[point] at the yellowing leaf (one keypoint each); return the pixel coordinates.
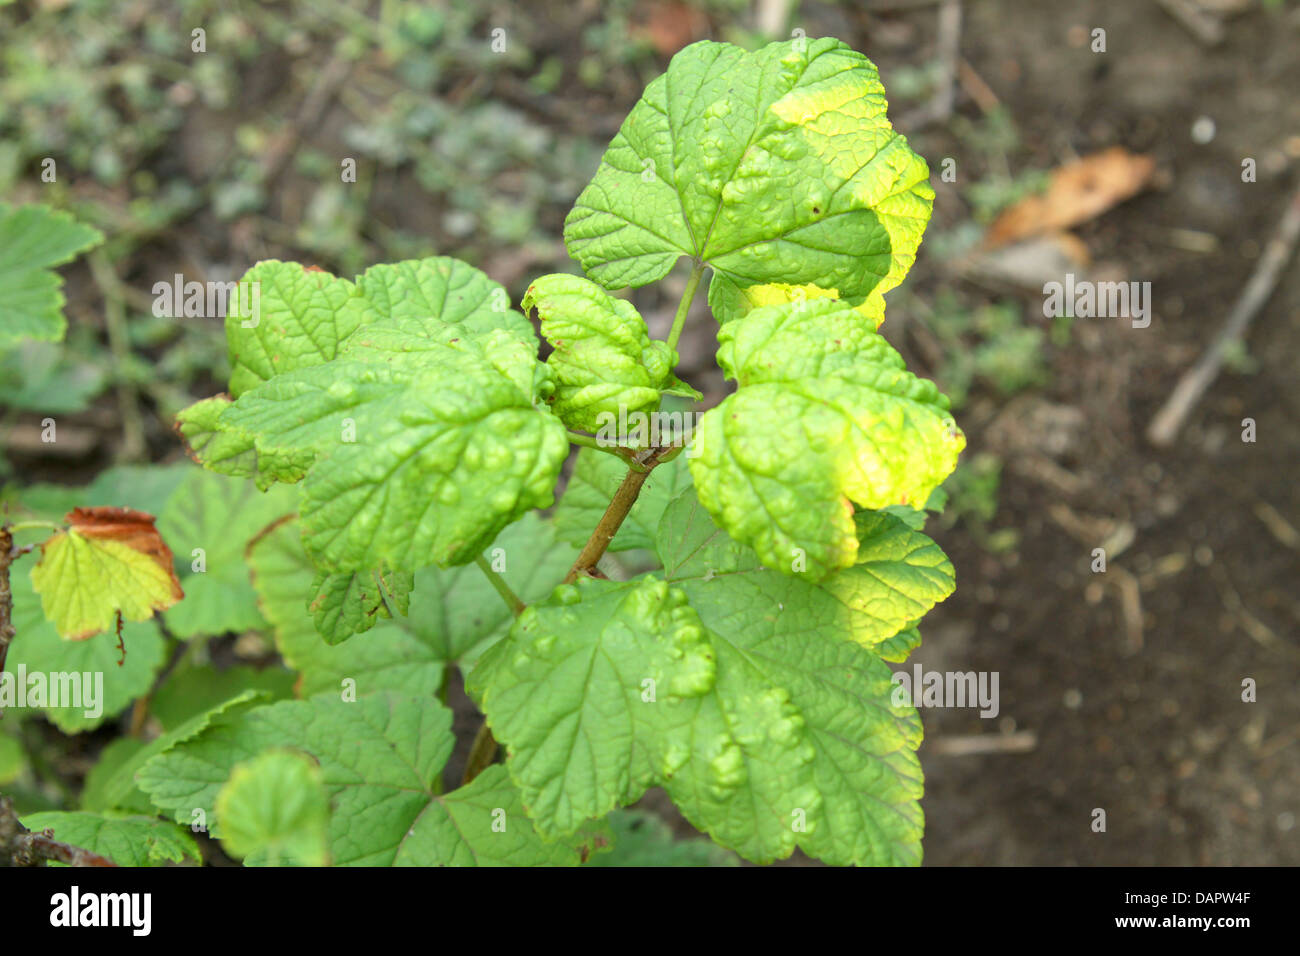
(108, 560)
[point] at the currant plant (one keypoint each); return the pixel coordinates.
(389, 447)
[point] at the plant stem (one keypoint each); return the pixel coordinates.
(512, 600)
(621, 452)
(29, 525)
(6, 596)
(481, 754)
(614, 516)
(683, 307)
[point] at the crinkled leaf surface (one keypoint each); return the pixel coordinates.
(378, 758)
(826, 416)
(401, 453)
(273, 810)
(584, 693)
(765, 736)
(353, 601)
(605, 363)
(596, 477)
(33, 240)
(773, 167)
(232, 451)
(218, 516)
(454, 613)
(899, 575)
(303, 315)
(126, 840)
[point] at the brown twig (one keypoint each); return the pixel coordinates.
(1169, 420)
(20, 846)
(6, 596)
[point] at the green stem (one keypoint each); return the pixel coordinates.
(683, 307)
(512, 600)
(29, 525)
(621, 452)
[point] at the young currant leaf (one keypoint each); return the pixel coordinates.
(38, 649)
(211, 519)
(454, 613)
(302, 317)
(596, 477)
(126, 840)
(584, 691)
(379, 757)
(273, 811)
(446, 291)
(776, 168)
(111, 783)
(401, 453)
(230, 451)
(604, 361)
(643, 839)
(109, 561)
(353, 601)
(899, 575)
(826, 416)
(33, 240)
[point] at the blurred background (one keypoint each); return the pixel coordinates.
(1054, 149)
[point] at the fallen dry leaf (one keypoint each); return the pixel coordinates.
(1078, 191)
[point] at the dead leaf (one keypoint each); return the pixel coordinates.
(1078, 191)
(133, 528)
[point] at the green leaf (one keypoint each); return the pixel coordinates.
(826, 416)
(899, 575)
(897, 648)
(195, 690)
(403, 487)
(13, 761)
(111, 785)
(446, 291)
(44, 377)
(209, 521)
(642, 839)
(584, 691)
(231, 451)
(38, 649)
(352, 602)
(604, 361)
(776, 168)
(273, 810)
(596, 476)
(33, 240)
(126, 840)
(454, 614)
(379, 758)
(302, 317)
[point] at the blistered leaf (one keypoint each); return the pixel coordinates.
(273, 810)
(826, 416)
(211, 519)
(353, 601)
(379, 758)
(584, 692)
(605, 364)
(643, 839)
(126, 840)
(302, 317)
(898, 576)
(401, 454)
(453, 615)
(773, 167)
(33, 240)
(232, 451)
(596, 477)
(108, 561)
